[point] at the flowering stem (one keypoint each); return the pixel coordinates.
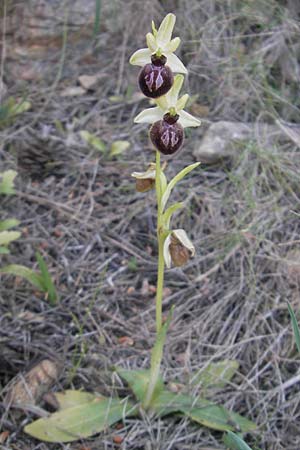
(160, 332)
(160, 238)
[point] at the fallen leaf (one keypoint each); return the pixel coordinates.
(29, 388)
(28, 316)
(126, 341)
(88, 82)
(73, 91)
(131, 290)
(3, 436)
(118, 440)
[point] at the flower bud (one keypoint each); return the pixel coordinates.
(156, 79)
(167, 135)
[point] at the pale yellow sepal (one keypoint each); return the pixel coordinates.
(160, 42)
(169, 102)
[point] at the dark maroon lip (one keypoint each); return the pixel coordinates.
(167, 138)
(170, 119)
(155, 80)
(158, 60)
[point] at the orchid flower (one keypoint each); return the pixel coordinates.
(178, 248)
(170, 103)
(159, 43)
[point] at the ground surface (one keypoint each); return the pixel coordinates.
(98, 235)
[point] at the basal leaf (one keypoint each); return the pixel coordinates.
(219, 418)
(24, 272)
(7, 182)
(80, 421)
(8, 223)
(93, 140)
(216, 374)
(200, 410)
(20, 107)
(168, 402)
(46, 278)
(8, 236)
(70, 398)
(138, 381)
(295, 326)
(4, 251)
(235, 442)
(118, 147)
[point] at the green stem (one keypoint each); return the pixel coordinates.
(160, 239)
(157, 355)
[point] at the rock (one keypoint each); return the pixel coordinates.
(34, 31)
(220, 140)
(89, 82)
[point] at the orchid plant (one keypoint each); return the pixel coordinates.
(82, 414)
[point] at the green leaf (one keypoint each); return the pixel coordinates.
(169, 212)
(118, 147)
(154, 386)
(216, 374)
(235, 442)
(7, 182)
(168, 402)
(295, 326)
(46, 279)
(200, 410)
(163, 182)
(20, 107)
(8, 236)
(175, 180)
(4, 251)
(24, 272)
(8, 223)
(97, 17)
(70, 398)
(81, 421)
(93, 140)
(138, 381)
(219, 418)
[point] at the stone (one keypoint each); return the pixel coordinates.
(220, 139)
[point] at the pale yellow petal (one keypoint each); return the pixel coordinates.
(151, 42)
(172, 45)
(182, 102)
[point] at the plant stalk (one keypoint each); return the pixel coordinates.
(157, 355)
(160, 239)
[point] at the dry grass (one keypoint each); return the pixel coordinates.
(98, 235)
